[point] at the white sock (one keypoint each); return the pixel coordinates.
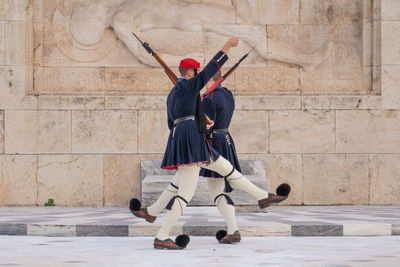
(187, 179)
(164, 198)
(236, 179)
(216, 187)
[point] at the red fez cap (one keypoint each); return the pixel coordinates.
(189, 63)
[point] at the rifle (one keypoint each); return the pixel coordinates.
(167, 70)
(215, 85)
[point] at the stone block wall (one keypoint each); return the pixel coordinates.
(76, 131)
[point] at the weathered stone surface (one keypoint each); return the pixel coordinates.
(153, 131)
(12, 93)
(395, 229)
(190, 44)
(390, 36)
(2, 42)
(317, 230)
(341, 81)
(302, 132)
(332, 11)
(71, 180)
(390, 10)
(362, 131)
(151, 229)
(15, 43)
(71, 102)
(370, 229)
(18, 180)
(60, 80)
(104, 131)
(286, 168)
(12, 10)
(36, 131)
(385, 182)
(265, 229)
(335, 102)
(270, 80)
(269, 11)
(335, 179)
(390, 87)
(13, 229)
(102, 230)
(281, 168)
(267, 102)
(1, 131)
(320, 49)
(138, 81)
(247, 123)
(136, 102)
(51, 230)
(122, 177)
(203, 230)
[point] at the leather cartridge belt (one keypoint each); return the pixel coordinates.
(186, 118)
(225, 130)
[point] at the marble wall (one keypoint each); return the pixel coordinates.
(82, 103)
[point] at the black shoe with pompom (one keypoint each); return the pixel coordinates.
(135, 208)
(181, 242)
(282, 193)
(224, 238)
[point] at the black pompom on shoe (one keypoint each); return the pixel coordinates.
(135, 208)
(134, 204)
(182, 240)
(282, 193)
(220, 234)
(283, 190)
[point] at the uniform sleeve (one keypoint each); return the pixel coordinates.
(197, 83)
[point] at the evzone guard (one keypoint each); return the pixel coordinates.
(188, 149)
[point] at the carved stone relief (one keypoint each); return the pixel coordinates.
(86, 46)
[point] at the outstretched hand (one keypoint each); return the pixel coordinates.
(232, 42)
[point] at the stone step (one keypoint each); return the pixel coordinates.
(153, 185)
(155, 180)
(203, 221)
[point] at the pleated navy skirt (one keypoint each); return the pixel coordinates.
(186, 145)
(224, 145)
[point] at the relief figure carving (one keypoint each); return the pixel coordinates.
(85, 29)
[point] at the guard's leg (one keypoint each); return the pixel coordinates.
(165, 197)
(225, 168)
(223, 202)
(150, 213)
(187, 179)
(235, 178)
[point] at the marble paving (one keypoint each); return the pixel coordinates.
(204, 221)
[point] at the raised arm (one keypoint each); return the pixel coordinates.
(213, 66)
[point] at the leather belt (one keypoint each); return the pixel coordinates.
(186, 118)
(225, 130)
